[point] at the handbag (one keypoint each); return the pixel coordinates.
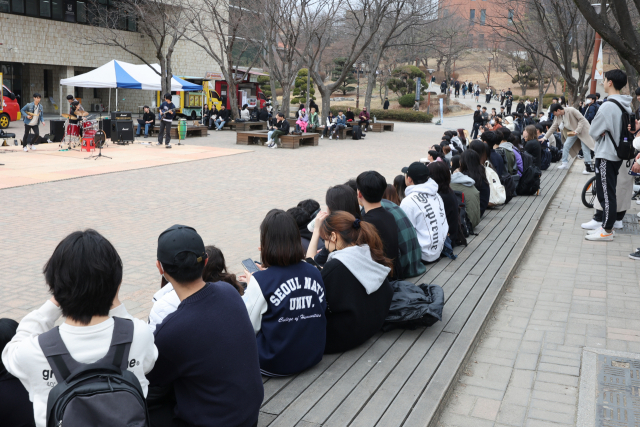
(498, 195)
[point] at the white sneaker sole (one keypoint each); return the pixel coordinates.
(598, 238)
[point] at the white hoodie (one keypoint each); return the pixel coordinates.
(425, 209)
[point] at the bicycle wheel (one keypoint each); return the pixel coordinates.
(589, 193)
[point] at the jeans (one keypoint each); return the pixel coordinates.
(146, 129)
(220, 124)
(328, 129)
(488, 100)
(567, 147)
(269, 135)
(336, 129)
(606, 182)
(165, 130)
(27, 130)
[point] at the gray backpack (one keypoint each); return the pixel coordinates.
(100, 394)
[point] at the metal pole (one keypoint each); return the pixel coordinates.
(596, 52)
(109, 112)
(116, 99)
(358, 91)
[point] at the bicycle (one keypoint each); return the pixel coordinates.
(589, 191)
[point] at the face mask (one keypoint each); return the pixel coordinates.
(588, 101)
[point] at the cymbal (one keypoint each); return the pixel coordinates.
(69, 116)
(82, 113)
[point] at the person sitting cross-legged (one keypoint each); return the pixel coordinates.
(364, 119)
(341, 123)
(223, 117)
(280, 128)
(207, 372)
(84, 275)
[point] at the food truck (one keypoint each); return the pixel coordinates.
(214, 93)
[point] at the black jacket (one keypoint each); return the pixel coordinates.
(283, 126)
(223, 115)
(386, 105)
(534, 148)
(149, 117)
(477, 117)
(263, 116)
(352, 316)
(350, 115)
(453, 214)
(520, 107)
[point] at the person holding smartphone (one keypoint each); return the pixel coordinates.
(285, 299)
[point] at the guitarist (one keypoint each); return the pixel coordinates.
(32, 117)
(166, 115)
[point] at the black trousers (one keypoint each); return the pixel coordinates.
(488, 98)
(28, 129)
(165, 130)
(606, 181)
(599, 214)
(474, 132)
(508, 110)
(365, 123)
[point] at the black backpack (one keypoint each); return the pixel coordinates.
(529, 183)
(624, 148)
(103, 393)
(545, 159)
(509, 186)
(527, 161)
(356, 132)
(556, 155)
(466, 227)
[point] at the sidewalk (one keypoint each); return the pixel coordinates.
(568, 293)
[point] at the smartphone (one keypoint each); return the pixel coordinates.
(632, 122)
(250, 266)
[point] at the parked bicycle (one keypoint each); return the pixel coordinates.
(589, 191)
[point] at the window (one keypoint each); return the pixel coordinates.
(472, 16)
(510, 19)
(481, 41)
(17, 6)
(31, 7)
(45, 9)
(57, 9)
(81, 12)
(47, 84)
(483, 16)
(470, 41)
(5, 6)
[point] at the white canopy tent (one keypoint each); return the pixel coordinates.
(118, 74)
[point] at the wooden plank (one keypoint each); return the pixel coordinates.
(357, 361)
(355, 387)
(296, 386)
(265, 419)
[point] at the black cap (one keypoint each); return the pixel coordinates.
(416, 171)
(177, 239)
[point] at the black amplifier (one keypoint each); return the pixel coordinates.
(120, 115)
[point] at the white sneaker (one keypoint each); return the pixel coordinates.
(330, 137)
(33, 147)
(586, 172)
(337, 136)
(169, 145)
(600, 235)
(25, 149)
(591, 225)
(321, 136)
(638, 214)
(618, 224)
(274, 146)
(638, 203)
(564, 165)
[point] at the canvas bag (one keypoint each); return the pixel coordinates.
(498, 194)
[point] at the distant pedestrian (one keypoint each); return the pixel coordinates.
(386, 104)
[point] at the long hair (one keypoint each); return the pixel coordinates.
(400, 184)
(216, 269)
(355, 232)
(470, 166)
(280, 242)
(439, 172)
(343, 198)
(391, 194)
(480, 148)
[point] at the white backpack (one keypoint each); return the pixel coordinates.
(498, 194)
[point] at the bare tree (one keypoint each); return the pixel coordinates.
(618, 25)
(355, 27)
(226, 31)
(162, 22)
(551, 29)
(406, 24)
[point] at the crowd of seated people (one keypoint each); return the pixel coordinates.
(323, 284)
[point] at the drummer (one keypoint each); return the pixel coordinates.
(74, 108)
(71, 99)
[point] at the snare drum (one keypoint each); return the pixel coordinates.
(90, 124)
(73, 130)
(89, 133)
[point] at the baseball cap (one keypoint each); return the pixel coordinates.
(179, 238)
(416, 170)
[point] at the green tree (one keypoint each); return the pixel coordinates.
(404, 80)
(300, 89)
(337, 71)
(263, 82)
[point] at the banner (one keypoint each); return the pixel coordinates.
(599, 74)
(441, 110)
(418, 90)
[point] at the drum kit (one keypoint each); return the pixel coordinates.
(85, 127)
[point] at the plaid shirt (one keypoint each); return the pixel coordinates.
(410, 250)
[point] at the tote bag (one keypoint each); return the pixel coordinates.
(498, 194)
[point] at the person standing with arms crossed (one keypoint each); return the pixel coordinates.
(32, 117)
(166, 114)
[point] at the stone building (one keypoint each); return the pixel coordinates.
(44, 41)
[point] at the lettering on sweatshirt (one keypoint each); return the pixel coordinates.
(291, 286)
(431, 218)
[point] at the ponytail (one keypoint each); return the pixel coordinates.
(355, 232)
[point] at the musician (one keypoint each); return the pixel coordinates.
(32, 117)
(166, 114)
(75, 107)
(71, 99)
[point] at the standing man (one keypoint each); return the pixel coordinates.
(606, 129)
(487, 93)
(577, 128)
(386, 104)
(457, 89)
(477, 122)
(591, 108)
(32, 118)
(282, 128)
(166, 114)
(508, 104)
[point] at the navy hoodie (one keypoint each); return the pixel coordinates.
(287, 306)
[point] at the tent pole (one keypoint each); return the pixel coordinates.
(116, 99)
(109, 102)
(60, 107)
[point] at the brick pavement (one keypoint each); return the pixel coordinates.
(225, 199)
(567, 293)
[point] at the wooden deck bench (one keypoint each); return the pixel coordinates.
(287, 141)
(381, 126)
(191, 131)
(342, 132)
(403, 377)
(246, 126)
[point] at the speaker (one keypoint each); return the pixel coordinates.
(57, 130)
(121, 115)
(122, 131)
(105, 125)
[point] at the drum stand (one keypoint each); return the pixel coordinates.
(101, 141)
